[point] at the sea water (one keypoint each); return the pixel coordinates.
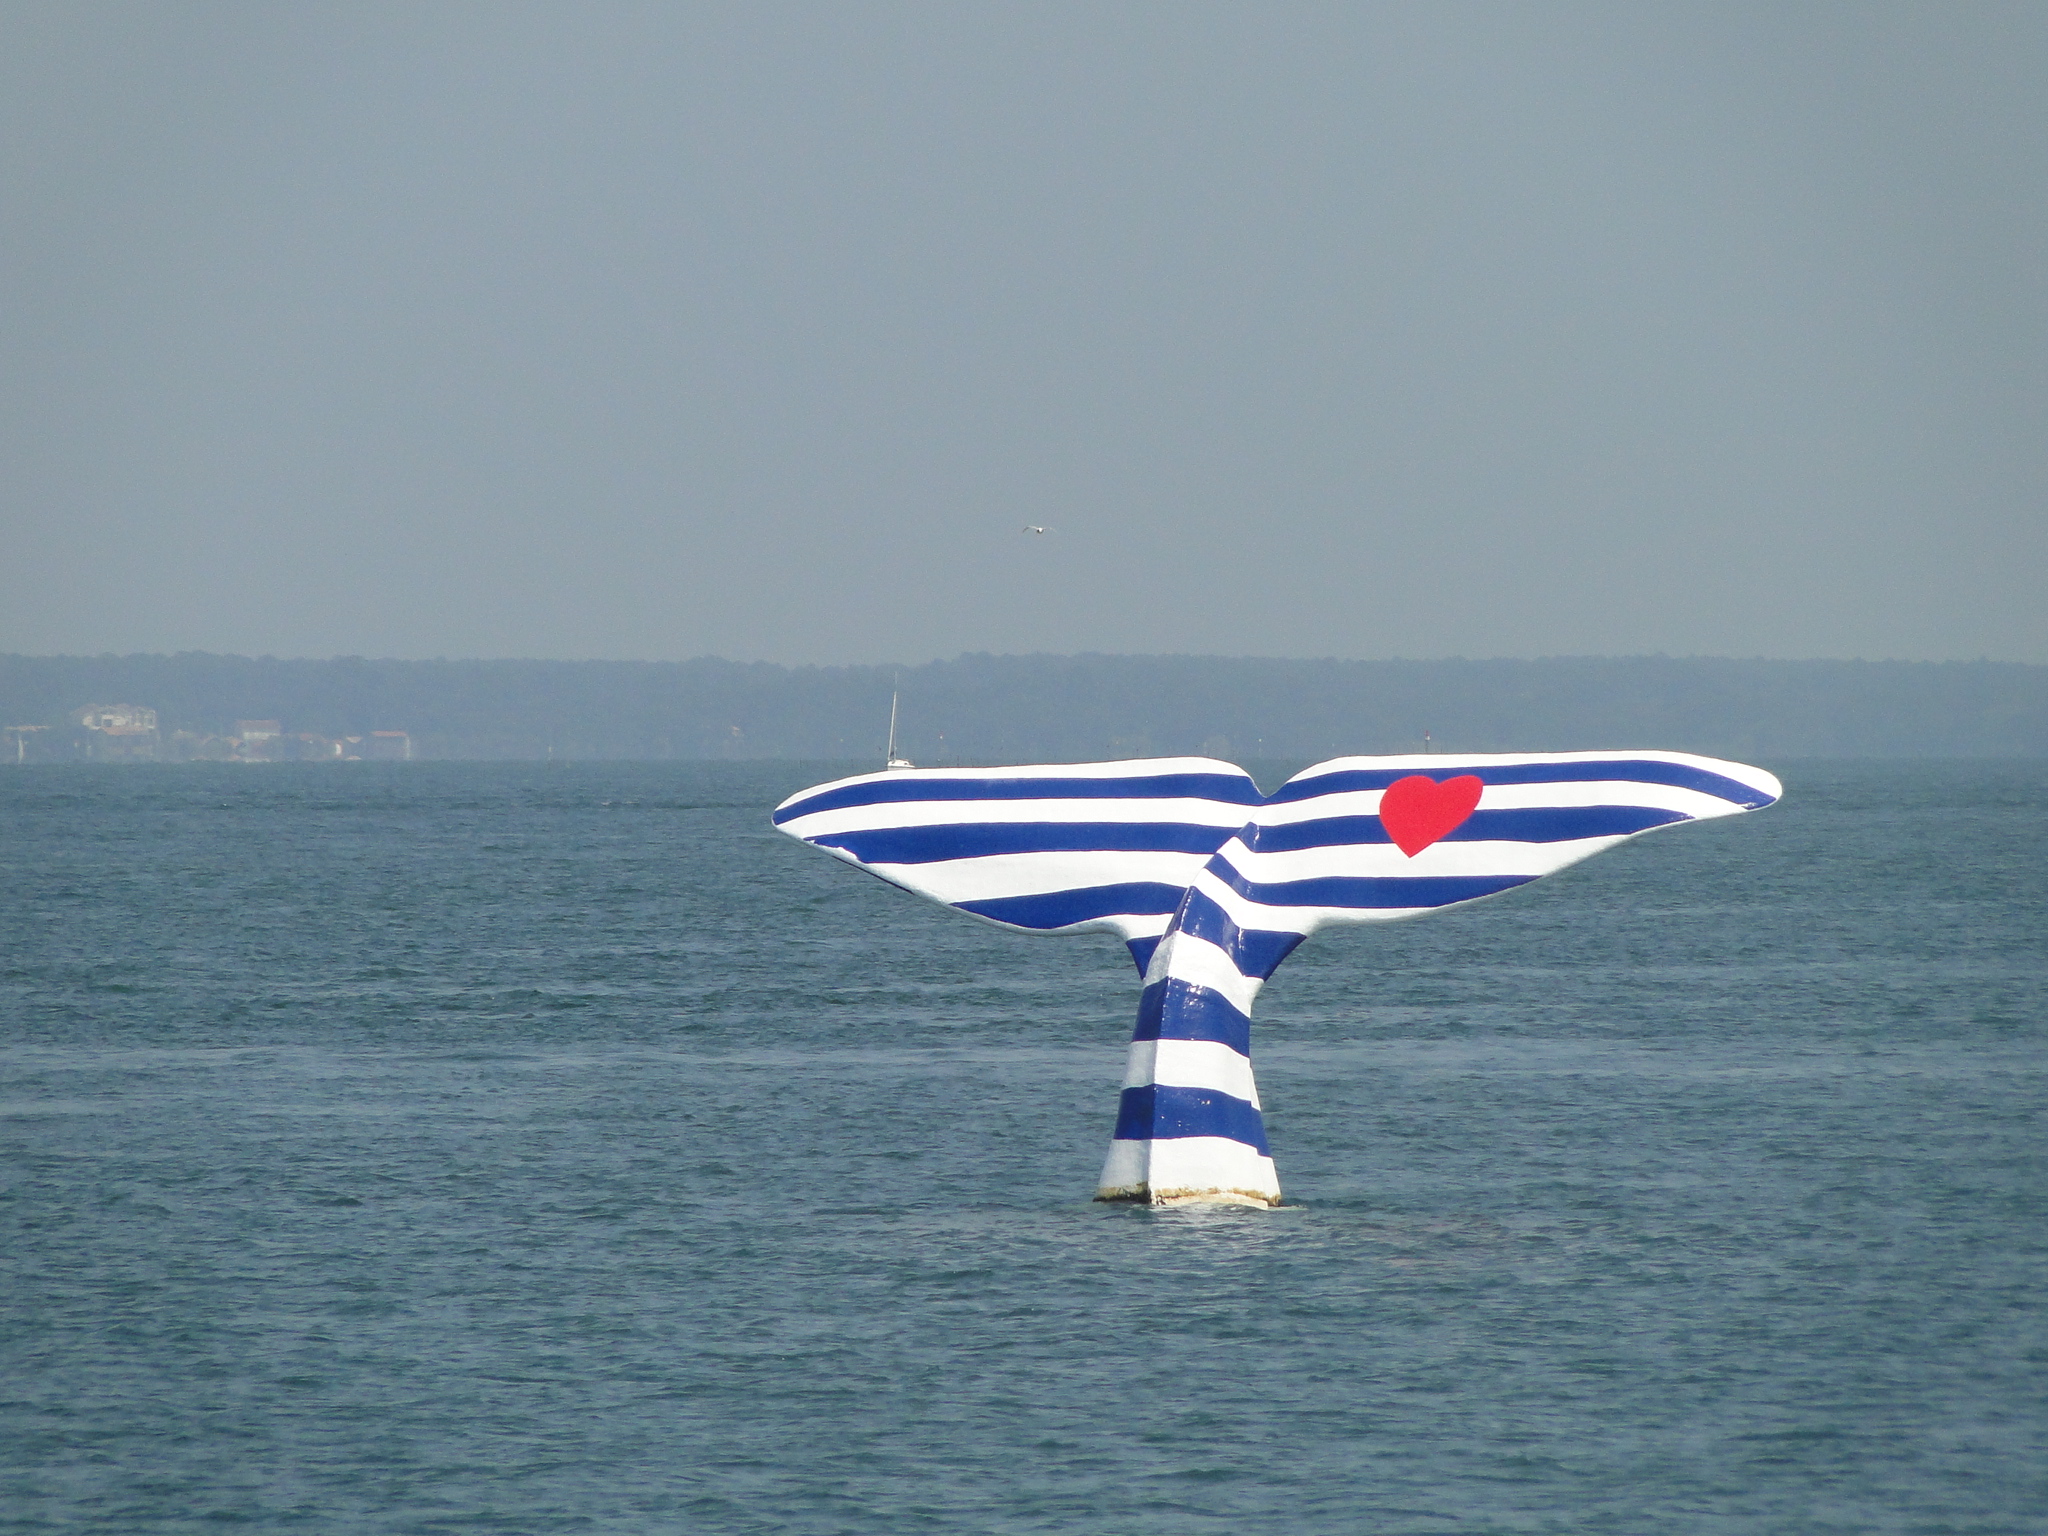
(531, 1148)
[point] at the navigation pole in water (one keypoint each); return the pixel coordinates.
(1211, 885)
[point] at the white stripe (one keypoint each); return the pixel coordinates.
(1437, 766)
(1511, 797)
(1581, 792)
(974, 813)
(1000, 875)
(1309, 919)
(1126, 768)
(1120, 768)
(1253, 914)
(1369, 861)
(1183, 957)
(1191, 1064)
(1191, 1169)
(1303, 920)
(1123, 1171)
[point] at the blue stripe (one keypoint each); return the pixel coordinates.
(1366, 893)
(980, 839)
(1141, 951)
(1641, 771)
(1535, 824)
(1156, 1112)
(1061, 909)
(1179, 1010)
(1255, 951)
(1226, 788)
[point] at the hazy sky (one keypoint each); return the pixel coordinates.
(1365, 330)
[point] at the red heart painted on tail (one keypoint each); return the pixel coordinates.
(1417, 811)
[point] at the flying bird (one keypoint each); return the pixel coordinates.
(1035, 528)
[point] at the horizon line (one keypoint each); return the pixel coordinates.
(791, 666)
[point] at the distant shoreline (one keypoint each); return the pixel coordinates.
(992, 709)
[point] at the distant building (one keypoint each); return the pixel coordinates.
(24, 744)
(258, 741)
(106, 733)
(309, 747)
(118, 733)
(115, 717)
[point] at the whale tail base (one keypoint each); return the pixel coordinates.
(1189, 1170)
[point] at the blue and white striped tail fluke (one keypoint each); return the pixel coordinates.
(1212, 886)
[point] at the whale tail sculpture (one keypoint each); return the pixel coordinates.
(1212, 885)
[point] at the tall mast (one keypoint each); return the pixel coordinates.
(890, 756)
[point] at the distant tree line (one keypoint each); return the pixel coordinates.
(987, 709)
